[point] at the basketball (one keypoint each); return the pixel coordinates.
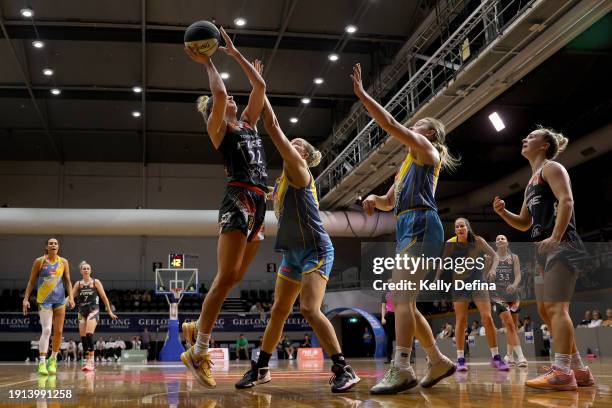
(203, 37)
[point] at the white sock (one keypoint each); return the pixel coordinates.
(576, 362)
(460, 354)
(201, 345)
(494, 351)
(54, 354)
(433, 352)
(519, 352)
(402, 357)
(42, 359)
(509, 349)
(563, 361)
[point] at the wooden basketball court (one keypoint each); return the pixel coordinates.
(293, 385)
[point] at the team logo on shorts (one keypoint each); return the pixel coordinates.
(225, 218)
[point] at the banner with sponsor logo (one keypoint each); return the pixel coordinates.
(136, 322)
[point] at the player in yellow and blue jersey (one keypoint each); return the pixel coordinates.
(51, 275)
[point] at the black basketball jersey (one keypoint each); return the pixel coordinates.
(88, 295)
(244, 155)
(504, 274)
(542, 205)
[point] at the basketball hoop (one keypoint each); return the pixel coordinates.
(177, 292)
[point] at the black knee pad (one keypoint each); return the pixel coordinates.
(90, 342)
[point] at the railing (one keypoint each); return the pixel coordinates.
(475, 33)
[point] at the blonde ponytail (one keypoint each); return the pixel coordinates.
(204, 106)
(449, 161)
(556, 140)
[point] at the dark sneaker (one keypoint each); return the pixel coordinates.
(344, 378)
(254, 376)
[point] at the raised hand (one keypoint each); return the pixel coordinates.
(259, 66)
(197, 57)
(229, 48)
(499, 205)
(356, 77)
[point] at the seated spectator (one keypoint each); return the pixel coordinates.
(588, 316)
(306, 343)
(71, 351)
(597, 321)
(242, 348)
(100, 348)
(146, 297)
(527, 325)
(34, 350)
(136, 343)
(608, 321)
(212, 343)
(473, 330)
(80, 351)
(64, 349)
(287, 347)
(446, 332)
(119, 347)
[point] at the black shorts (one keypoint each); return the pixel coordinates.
(243, 209)
(89, 313)
(569, 253)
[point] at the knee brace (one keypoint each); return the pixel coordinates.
(90, 342)
(46, 320)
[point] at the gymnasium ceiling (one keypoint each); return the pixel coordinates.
(97, 53)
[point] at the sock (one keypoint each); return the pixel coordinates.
(460, 354)
(494, 351)
(54, 354)
(576, 362)
(42, 359)
(338, 359)
(519, 353)
(201, 345)
(433, 352)
(263, 359)
(509, 349)
(402, 357)
(563, 361)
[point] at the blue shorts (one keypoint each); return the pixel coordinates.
(419, 232)
(300, 262)
(52, 305)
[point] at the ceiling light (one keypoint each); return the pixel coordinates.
(497, 121)
(318, 81)
(240, 21)
(305, 101)
(38, 44)
(333, 57)
(56, 91)
(47, 72)
(350, 29)
(137, 89)
(225, 75)
(136, 114)
(26, 12)
(293, 120)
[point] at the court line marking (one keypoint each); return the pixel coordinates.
(18, 382)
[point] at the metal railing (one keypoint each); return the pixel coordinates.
(475, 33)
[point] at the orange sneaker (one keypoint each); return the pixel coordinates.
(554, 379)
(584, 378)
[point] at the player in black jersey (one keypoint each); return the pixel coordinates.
(87, 293)
(548, 209)
(505, 300)
(243, 207)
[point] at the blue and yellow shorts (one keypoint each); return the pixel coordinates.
(300, 262)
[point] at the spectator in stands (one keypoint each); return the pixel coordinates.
(257, 308)
(146, 339)
(446, 332)
(100, 348)
(71, 352)
(473, 330)
(287, 347)
(597, 320)
(608, 321)
(119, 347)
(64, 348)
(212, 343)
(587, 319)
(146, 297)
(109, 349)
(527, 325)
(80, 351)
(307, 343)
(136, 343)
(242, 348)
